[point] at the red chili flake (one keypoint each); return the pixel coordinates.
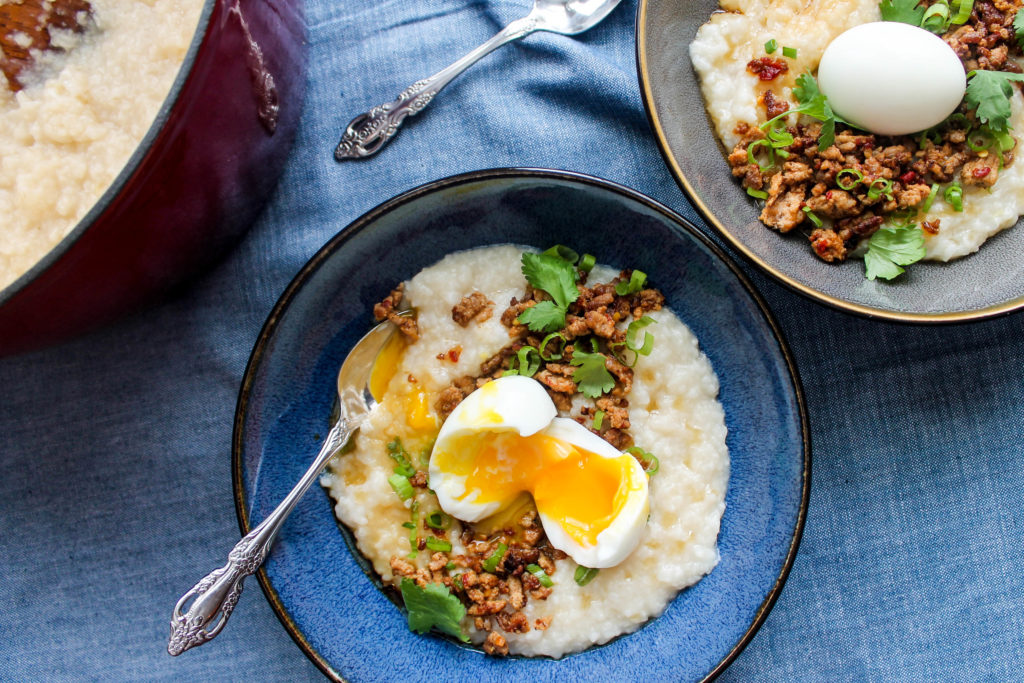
(868, 144)
(981, 171)
(931, 227)
(828, 195)
(908, 177)
(451, 354)
(766, 68)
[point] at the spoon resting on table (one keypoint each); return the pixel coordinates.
(25, 32)
(367, 133)
(203, 611)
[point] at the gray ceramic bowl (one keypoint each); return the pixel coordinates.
(985, 284)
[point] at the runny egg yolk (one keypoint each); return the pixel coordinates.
(582, 490)
(415, 403)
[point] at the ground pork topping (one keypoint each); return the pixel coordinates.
(843, 194)
(495, 572)
(593, 320)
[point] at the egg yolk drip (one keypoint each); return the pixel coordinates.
(582, 491)
(415, 403)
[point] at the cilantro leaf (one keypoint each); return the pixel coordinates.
(1018, 28)
(433, 607)
(890, 248)
(813, 103)
(591, 375)
(546, 316)
(903, 11)
(989, 93)
(552, 274)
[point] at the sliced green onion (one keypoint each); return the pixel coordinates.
(648, 460)
(541, 575)
(450, 566)
(529, 361)
(563, 252)
(425, 454)
(458, 583)
(587, 262)
(979, 140)
(408, 525)
(412, 554)
(936, 18)
(757, 194)
(780, 135)
(789, 52)
(584, 575)
(931, 198)
(771, 46)
(903, 219)
(963, 11)
(544, 345)
(397, 453)
(857, 178)
(753, 160)
(632, 332)
(526, 362)
(439, 520)
(955, 196)
(1004, 139)
(637, 279)
(958, 119)
(598, 420)
(884, 187)
(400, 483)
(414, 534)
(438, 544)
(491, 563)
(814, 218)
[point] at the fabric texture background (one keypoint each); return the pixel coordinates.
(115, 489)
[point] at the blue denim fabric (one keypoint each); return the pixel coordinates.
(115, 490)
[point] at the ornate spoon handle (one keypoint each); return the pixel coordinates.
(367, 133)
(217, 594)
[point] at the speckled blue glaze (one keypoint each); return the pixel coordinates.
(334, 611)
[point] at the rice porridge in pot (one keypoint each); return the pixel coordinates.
(70, 131)
(524, 596)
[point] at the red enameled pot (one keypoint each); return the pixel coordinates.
(194, 185)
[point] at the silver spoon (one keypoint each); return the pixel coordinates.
(215, 596)
(368, 132)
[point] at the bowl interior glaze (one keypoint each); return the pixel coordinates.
(316, 586)
(982, 285)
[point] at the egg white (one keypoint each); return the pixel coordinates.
(623, 534)
(891, 78)
(521, 405)
(514, 403)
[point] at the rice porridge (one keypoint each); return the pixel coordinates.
(68, 133)
(734, 95)
(673, 413)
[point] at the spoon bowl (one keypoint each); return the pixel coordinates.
(570, 17)
(211, 601)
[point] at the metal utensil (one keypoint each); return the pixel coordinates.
(368, 132)
(215, 596)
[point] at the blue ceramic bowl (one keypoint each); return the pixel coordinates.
(317, 587)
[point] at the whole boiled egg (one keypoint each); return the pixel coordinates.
(505, 439)
(891, 78)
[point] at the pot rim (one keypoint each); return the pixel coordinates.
(130, 167)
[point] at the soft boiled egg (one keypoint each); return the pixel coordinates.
(891, 78)
(505, 438)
